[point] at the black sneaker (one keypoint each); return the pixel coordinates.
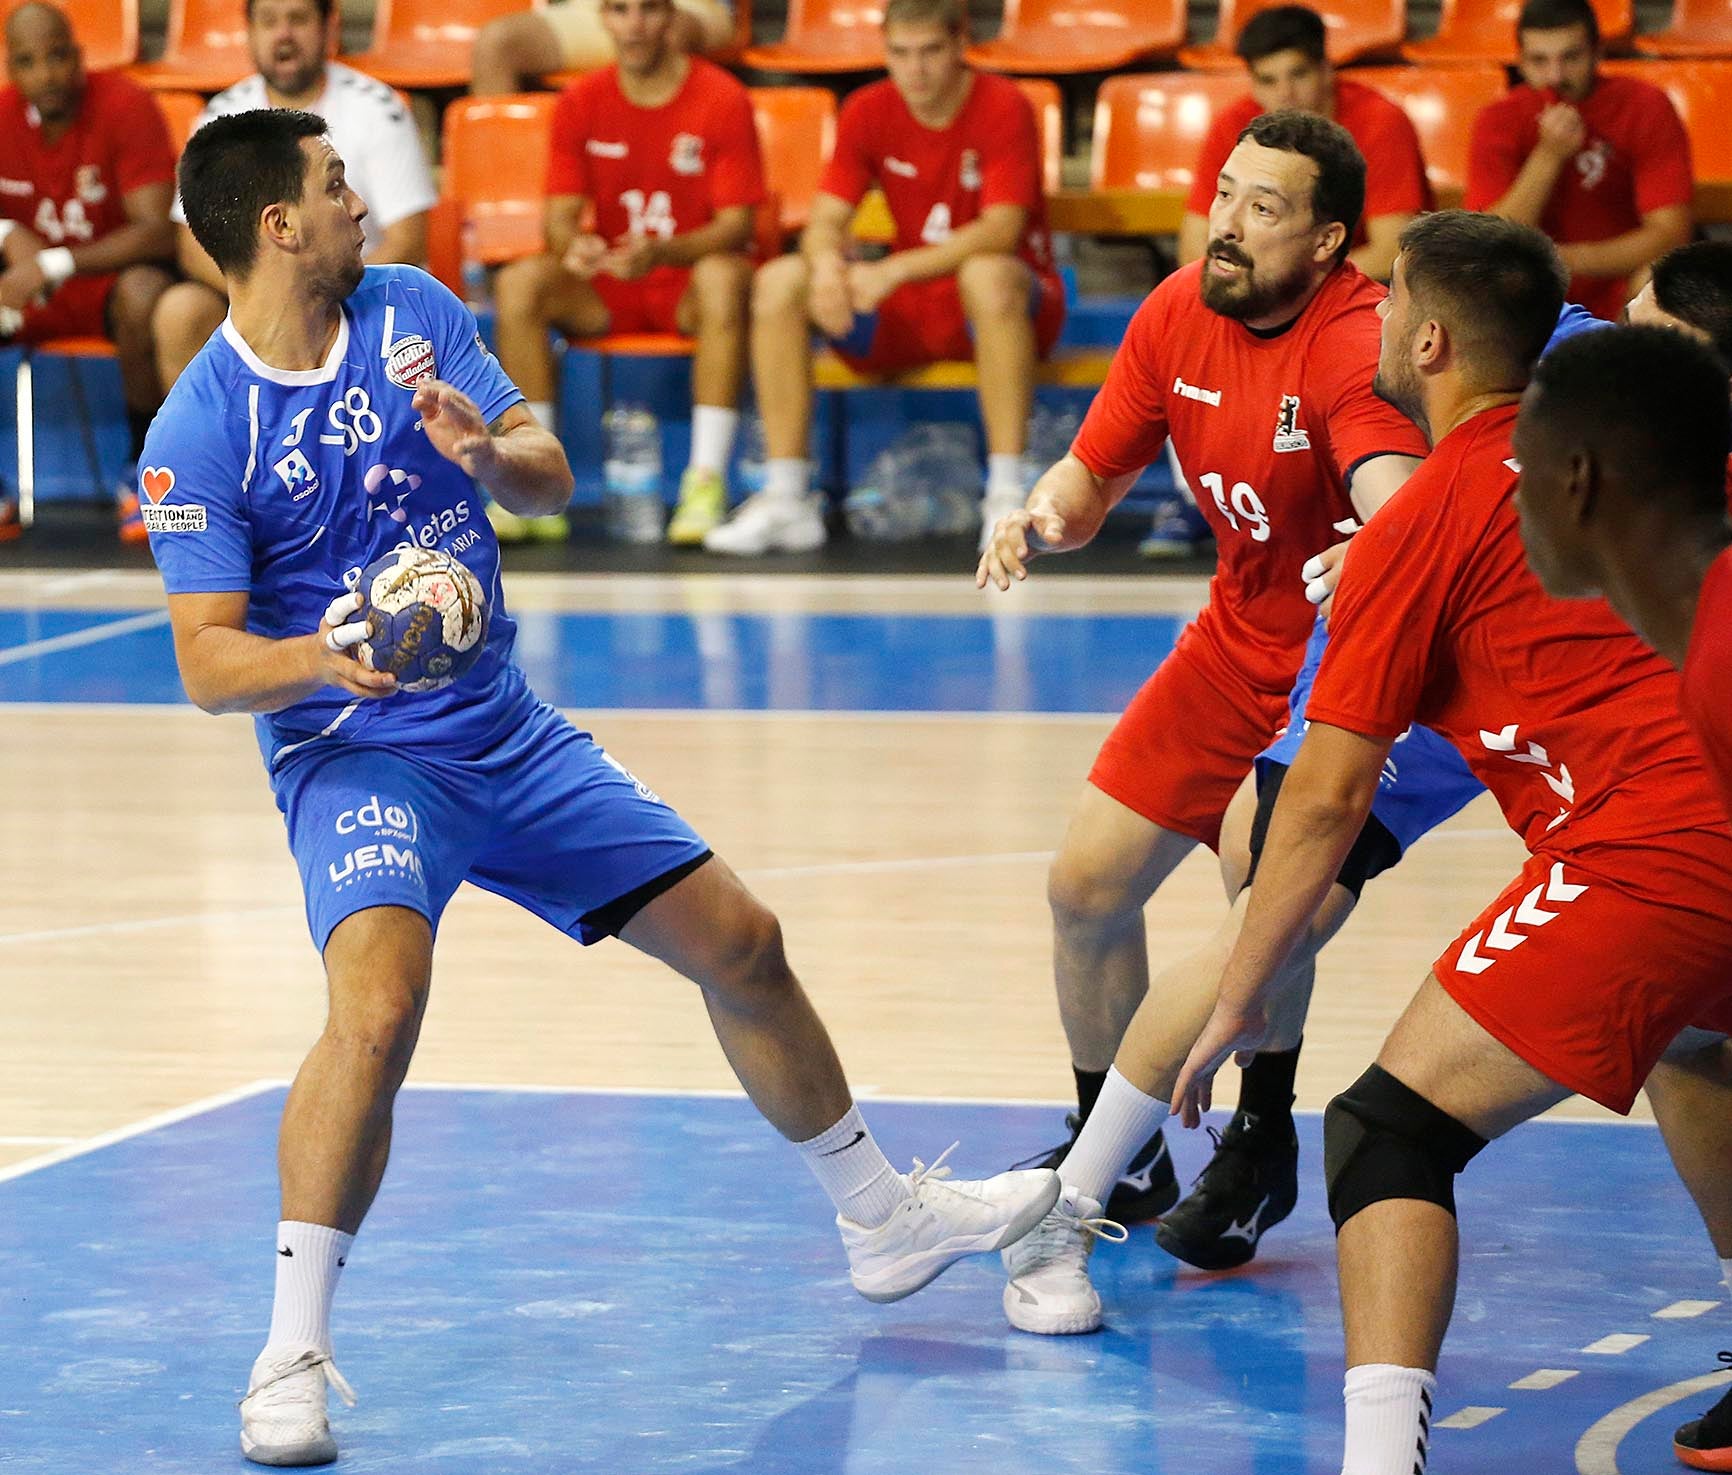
(1249, 1186)
(1145, 1190)
(1706, 1443)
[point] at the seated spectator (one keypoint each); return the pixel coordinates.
(663, 149)
(516, 51)
(1600, 164)
(1283, 50)
(370, 127)
(957, 155)
(86, 175)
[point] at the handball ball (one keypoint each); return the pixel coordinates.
(426, 617)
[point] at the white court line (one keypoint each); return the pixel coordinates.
(136, 1129)
(140, 924)
(1544, 1378)
(1683, 1310)
(36, 1141)
(597, 714)
(1470, 1417)
(1597, 1450)
(93, 635)
(1617, 1344)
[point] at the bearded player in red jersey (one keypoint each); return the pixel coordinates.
(971, 276)
(86, 180)
(1615, 939)
(664, 148)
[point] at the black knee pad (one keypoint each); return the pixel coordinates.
(1382, 1140)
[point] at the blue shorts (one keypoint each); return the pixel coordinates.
(1424, 782)
(544, 818)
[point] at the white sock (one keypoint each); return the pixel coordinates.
(712, 436)
(850, 1168)
(1004, 476)
(542, 410)
(1122, 1120)
(1726, 1271)
(310, 1257)
(786, 479)
(1388, 1419)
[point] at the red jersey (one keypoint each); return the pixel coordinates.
(1707, 695)
(73, 191)
(1560, 711)
(1268, 428)
(1395, 182)
(1636, 159)
(937, 180)
(656, 171)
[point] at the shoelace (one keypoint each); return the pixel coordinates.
(273, 1395)
(1054, 1232)
(936, 1172)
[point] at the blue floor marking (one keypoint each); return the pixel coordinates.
(562, 1283)
(799, 662)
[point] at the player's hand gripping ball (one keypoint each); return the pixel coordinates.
(426, 618)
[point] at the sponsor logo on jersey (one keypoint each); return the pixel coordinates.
(1288, 435)
(604, 150)
(1201, 396)
(392, 860)
(971, 169)
(410, 362)
(185, 517)
(156, 482)
(298, 476)
(1591, 162)
(87, 184)
(687, 155)
(893, 165)
(388, 821)
(392, 486)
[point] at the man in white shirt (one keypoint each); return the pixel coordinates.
(370, 127)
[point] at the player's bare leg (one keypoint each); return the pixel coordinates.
(130, 306)
(900, 1230)
(995, 292)
(511, 51)
(1691, 1093)
(185, 317)
(714, 310)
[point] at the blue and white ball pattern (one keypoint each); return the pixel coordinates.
(426, 617)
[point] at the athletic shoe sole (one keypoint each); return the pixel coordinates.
(934, 1262)
(313, 1452)
(1051, 1324)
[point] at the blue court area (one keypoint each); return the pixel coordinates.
(798, 662)
(554, 1283)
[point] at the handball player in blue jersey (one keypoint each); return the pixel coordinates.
(340, 412)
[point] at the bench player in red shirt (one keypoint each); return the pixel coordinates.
(86, 180)
(664, 149)
(971, 276)
(1600, 164)
(1617, 935)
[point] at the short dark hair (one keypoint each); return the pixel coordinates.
(1554, 15)
(1694, 285)
(325, 7)
(1339, 191)
(1496, 285)
(232, 169)
(1649, 402)
(1282, 28)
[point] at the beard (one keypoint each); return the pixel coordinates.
(295, 77)
(1399, 386)
(337, 281)
(1248, 296)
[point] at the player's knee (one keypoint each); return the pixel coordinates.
(137, 290)
(1383, 1140)
(378, 1018)
(724, 286)
(520, 292)
(1084, 893)
(779, 287)
(749, 958)
(993, 286)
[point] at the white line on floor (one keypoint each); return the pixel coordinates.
(36, 1141)
(1597, 1450)
(1543, 1378)
(142, 924)
(1616, 1344)
(1683, 1310)
(93, 635)
(1470, 1417)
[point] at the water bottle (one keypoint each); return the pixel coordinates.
(1050, 433)
(946, 473)
(632, 475)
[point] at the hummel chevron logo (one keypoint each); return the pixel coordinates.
(1506, 741)
(1528, 913)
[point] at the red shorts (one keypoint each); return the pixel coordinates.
(648, 305)
(1587, 967)
(923, 323)
(79, 309)
(1187, 740)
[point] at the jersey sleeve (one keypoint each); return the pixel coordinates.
(852, 168)
(1395, 182)
(1661, 149)
(463, 359)
(1126, 426)
(1010, 166)
(191, 490)
(144, 154)
(400, 183)
(1223, 133)
(567, 163)
(736, 161)
(1494, 158)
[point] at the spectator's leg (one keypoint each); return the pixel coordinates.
(533, 296)
(516, 49)
(185, 317)
(131, 305)
(996, 294)
(782, 356)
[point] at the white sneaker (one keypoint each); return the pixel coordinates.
(1049, 1290)
(940, 1222)
(283, 1419)
(992, 507)
(766, 524)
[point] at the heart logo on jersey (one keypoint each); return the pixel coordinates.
(156, 482)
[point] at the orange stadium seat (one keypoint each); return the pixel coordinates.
(107, 30)
(495, 152)
(1476, 31)
(796, 130)
(1702, 93)
(1050, 37)
(1150, 128)
(1357, 28)
(180, 111)
(206, 48)
(1048, 103)
(825, 36)
(1698, 28)
(1442, 102)
(427, 43)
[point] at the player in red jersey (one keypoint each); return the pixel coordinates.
(1616, 936)
(1258, 363)
(1601, 164)
(663, 148)
(86, 180)
(957, 155)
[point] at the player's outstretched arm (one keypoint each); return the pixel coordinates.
(1064, 511)
(227, 669)
(522, 465)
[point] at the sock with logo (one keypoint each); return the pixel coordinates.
(1123, 1119)
(786, 479)
(850, 1168)
(713, 430)
(1388, 1418)
(310, 1257)
(1004, 476)
(542, 410)
(1266, 1085)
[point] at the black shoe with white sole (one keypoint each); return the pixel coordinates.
(1146, 1189)
(1249, 1186)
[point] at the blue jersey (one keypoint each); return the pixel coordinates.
(275, 484)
